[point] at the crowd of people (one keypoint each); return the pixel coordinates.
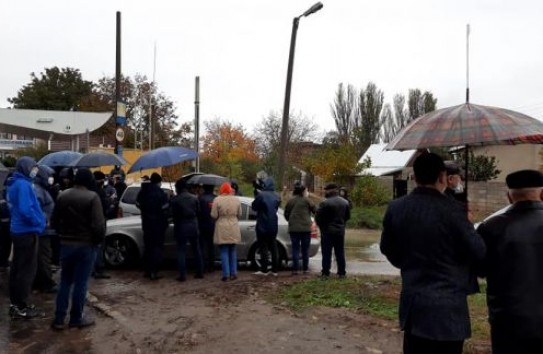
(428, 235)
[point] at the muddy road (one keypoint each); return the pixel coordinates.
(136, 315)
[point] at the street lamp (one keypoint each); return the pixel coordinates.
(286, 106)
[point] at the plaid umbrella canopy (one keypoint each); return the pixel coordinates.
(468, 124)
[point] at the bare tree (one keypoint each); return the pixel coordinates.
(401, 115)
(389, 125)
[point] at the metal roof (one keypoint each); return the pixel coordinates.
(385, 162)
(41, 123)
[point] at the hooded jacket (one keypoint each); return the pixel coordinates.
(265, 205)
(25, 210)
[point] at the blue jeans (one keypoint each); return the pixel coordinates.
(300, 241)
(77, 263)
(336, 242)
(229, 260)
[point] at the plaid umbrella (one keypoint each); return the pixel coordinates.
(468, 124)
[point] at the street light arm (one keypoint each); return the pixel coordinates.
(313, 9)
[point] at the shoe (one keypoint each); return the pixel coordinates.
(274, 274)
(155, 276)
(199, 276)
(260, 273)
(101, 276)
(181, 279)
(26, 313)
(58, 326)
(84, 322)
(224, 278)
(233, 277)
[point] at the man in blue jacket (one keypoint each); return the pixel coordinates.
(27, 223)
(265, 205)
(428, 236)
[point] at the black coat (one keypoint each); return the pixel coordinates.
(332, 214)
(206, 222)
(428, 236)
(185, 213)
(514, 269)
(154, 204)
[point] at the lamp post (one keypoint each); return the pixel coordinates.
(286, 106)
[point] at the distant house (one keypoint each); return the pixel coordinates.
(393, 168)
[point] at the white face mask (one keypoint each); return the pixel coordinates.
(50, 181)
(33, 172)
(105, 183)
(459, 188)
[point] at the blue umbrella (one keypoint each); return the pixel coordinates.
(97, 159)
(164, 156)
(60, 158)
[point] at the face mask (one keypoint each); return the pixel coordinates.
(33, 172)
(105, 183)
(459, 188)
(50, 181)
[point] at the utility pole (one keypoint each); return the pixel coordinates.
(197, 122)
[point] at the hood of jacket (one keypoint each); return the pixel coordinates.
(24, 165)
(269, 185)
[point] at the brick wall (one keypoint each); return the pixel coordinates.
(484, 197)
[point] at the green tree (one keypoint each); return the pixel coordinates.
(139, 93)
(343, 110)
(389, 125)
(55, 89)
(481, 168)
(420, 103)
(367, 123)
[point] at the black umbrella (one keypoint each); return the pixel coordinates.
(207, 179)
(97, 159)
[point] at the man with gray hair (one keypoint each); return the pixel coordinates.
(514, 267)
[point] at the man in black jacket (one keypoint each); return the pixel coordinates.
(154, 204)
(514, 267)
(185, 213)
(207, 227)
(80, 224)
(428, 236)
(331, 216)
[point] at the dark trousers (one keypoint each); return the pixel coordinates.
(417, 345)
(208, 250)
(153, 241)
(23, 268)
(77, 263)
(5, 244)
(44, 277)
(99, 264)
(505, 342)
(55, 249)
(182, 240)
(268, 244)
(300, 242)
(337, 243)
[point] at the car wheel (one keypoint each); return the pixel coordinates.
(255, 256)
(120, 251)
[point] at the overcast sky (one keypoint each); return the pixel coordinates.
(239, 48)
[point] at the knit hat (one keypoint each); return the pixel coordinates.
(226, 188)
(524, 179)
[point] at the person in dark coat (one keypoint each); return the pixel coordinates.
(265, 205)
(43, 281)
(455, 188)
(5, 238)
(207, 226)
(331, 217)
(80, 223)
(99, 264)
(514, 267)
(153, 203)
(185, 213)
(429, 238)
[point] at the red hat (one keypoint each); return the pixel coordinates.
(226, 188)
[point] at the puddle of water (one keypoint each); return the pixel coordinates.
(370, 253)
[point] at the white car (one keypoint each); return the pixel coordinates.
(127, 203)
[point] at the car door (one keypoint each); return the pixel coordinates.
(247, 224)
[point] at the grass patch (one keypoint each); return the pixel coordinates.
(376, 296)
(367, 217)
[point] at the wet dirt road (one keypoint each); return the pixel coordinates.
(135, 315)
